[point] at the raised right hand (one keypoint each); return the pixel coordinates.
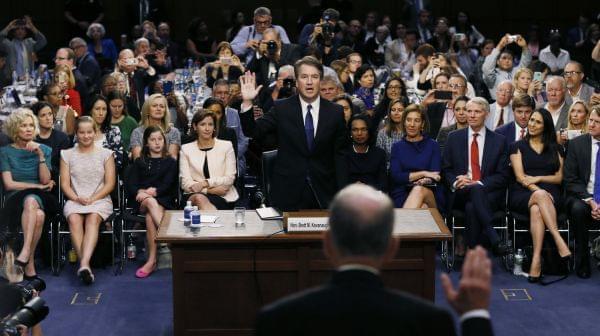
(248, 86)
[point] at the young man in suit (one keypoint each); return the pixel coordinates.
(355, 302)
(522, 106)
(475, 167)
(581, 174)
(311, 135)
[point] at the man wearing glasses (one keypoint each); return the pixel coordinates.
(441, 113)
(576, 88)
(246, 42)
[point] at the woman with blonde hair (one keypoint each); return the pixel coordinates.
(63, 76)
(579, 113)
(155, 112)
(27, 182)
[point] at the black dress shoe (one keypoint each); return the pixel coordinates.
(583, 269)
(531, 279)
(500, 249)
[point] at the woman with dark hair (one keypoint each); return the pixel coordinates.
(392, 128)
(223, 132)
(106, 135)
(238, 20)
(117, 104)
(415, 164)
(64, 115)
(464, 26)
(226, 66)
(55, 139)
(395, 88)
(199, 44)
(152, 186)
(366, 163)
(207, 166)
(364, 82)
(346, 102)
(537, 162)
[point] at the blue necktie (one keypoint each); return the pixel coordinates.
(597, 176)
(309, 129)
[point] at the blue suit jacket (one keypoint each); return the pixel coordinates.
(494, 166)
(508, 131)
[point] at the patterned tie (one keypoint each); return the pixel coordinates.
(522, 134)
(475, 168)
(597, 176)
(309, 128)
(501, 120)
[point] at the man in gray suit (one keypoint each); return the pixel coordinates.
(501, 111)
(20, 48)
(556, 89)
(576, 88)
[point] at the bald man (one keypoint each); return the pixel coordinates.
(556, 90)
(355, 302)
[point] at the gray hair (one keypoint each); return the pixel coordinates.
(506, 82)
(76, 42)
(95, 25)
(558, 78)
(481, 102)
(140, 41)
(262, 11)
(361, 221)
(289, 69)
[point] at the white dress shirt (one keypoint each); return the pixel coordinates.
(314, 111)
(590, 185)
(518, 132)
(480, 145)
(555, 114)
(555, 62)
(506, 111)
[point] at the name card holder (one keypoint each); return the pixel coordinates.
(306, 221)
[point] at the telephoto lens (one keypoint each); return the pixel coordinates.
(32, 313)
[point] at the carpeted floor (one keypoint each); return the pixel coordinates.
(124, 305)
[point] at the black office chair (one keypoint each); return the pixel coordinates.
(268, 167)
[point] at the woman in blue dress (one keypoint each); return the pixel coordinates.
(415, 164)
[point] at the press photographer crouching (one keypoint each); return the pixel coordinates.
(21, 309)
(271, 55)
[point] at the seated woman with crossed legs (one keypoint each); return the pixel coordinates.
(538, 166)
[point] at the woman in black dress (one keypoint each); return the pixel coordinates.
(537, 162)
(152, 186)
(366, 163)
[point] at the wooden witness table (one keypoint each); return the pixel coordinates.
(223, 275)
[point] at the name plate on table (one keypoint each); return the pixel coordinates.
(306, 221)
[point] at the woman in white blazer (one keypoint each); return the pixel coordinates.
(208, 166)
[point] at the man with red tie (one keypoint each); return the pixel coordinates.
(522, 106)
(475, 168)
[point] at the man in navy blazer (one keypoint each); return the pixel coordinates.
(311, 135)
(356, 302)
(522, 106)
(475, 167)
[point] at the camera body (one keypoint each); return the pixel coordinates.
(272, 47)
(288, 88)
(27, 289)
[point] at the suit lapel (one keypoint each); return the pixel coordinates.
(587, 158)
(486, 153)
(465, 153)
(298, 122)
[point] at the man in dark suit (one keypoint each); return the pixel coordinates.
(86, 63)
(67, 56)
(355, 302)
(522, 107)
(475, 167)
(556, 90)
(583, 189)
(139, 74)
(270, 57)
(311, 135)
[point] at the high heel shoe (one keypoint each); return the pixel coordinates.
(535, 279)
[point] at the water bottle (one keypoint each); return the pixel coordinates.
(187, 213)
(195, 216)
(131, 249)
(518, 269)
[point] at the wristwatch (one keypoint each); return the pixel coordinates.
(42, 161)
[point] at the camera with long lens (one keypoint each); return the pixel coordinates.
(271, 48)
(27, 289)
(32, 313)
(327, 31)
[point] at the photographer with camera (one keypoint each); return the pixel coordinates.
(19, 47)
(323, 35)
(499, 64)
(139, 74)
(21, 309)
(272, 54)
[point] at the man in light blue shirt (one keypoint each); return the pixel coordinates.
(246, 42)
